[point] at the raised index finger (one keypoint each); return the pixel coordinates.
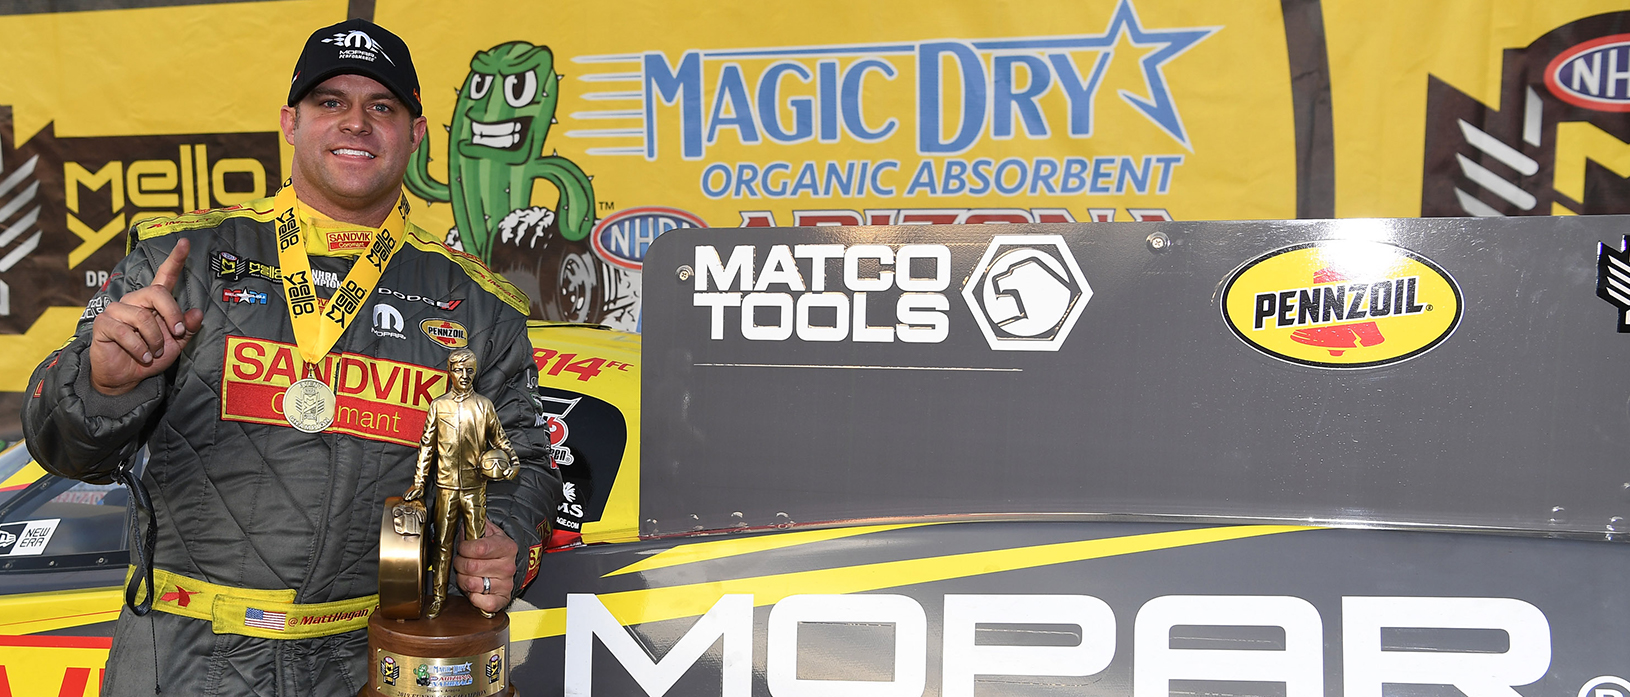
(169, 272)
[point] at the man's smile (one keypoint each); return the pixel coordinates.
(353, 152)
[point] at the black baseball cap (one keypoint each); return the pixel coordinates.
(357, 47)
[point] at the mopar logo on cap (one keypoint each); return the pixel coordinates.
(357, 39)
(1593, 74)
(1342, 304)
(623, 238)
(1027, 292)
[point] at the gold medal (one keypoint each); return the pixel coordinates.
(309, 405)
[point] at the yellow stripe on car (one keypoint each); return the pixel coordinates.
(691, 600)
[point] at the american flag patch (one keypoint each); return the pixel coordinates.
(275, 621)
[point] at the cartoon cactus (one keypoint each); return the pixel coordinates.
(495, 149)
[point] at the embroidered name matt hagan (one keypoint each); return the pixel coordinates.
(375, 398)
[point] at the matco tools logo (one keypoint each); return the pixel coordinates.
(1342, 304)
(826, 292)
(1026, 292)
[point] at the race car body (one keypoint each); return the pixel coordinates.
(1123, 459)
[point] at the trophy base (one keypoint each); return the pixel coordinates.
(460, 653)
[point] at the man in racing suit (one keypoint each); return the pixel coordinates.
(267, 543)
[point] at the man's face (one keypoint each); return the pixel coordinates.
(462, 376)
(352, 139)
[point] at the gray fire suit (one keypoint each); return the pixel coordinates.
(244, 500)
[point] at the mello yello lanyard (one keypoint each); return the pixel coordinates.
(309, 404)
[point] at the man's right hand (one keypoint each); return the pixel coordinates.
(413, 494)
(142, 335)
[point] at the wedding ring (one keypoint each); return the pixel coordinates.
(486, 585)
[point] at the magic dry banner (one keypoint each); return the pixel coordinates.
(564, 137)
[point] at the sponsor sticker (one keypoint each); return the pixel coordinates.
(1027, 292)
(375, 398)
(1342, 304)
(446, 332)
(1613, 279)
(26, 538)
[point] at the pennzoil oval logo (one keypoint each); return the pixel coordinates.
(1342, 304)
(445, 332)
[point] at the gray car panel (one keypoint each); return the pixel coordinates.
(1150, 405)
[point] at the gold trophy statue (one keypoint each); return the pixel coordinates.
(450, 648)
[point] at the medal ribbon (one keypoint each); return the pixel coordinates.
(315, 332)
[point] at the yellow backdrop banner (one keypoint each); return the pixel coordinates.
(566, 136)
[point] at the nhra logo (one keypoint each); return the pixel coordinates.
(1540, 149)
(1027, 292)
(623, 238)
(1576, 76)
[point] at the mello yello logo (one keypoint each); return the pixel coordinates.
(1342, 304)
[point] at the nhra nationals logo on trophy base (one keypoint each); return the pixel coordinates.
(1342, 304)
(1564, 111)
(1027, 292)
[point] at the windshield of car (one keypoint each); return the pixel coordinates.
(52, 523)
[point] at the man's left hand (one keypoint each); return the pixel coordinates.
(491, 557)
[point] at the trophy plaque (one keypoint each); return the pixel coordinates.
(459, 653)
(446, 647)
